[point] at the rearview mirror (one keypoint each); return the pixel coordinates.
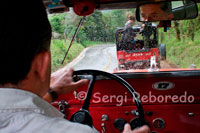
(162, 11)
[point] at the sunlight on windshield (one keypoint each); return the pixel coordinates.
(114, 41)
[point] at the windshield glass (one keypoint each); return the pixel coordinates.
(114, 41)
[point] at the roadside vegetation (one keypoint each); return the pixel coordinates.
(58, 50)
(182, 43)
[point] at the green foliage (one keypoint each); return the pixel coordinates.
(185, 52)
(118, 18)
(98, 27)
(58, 50)
(92, 27)
(57, 23)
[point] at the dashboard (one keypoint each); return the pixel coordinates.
(170, 101)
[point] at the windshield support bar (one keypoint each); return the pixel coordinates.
(77, 29)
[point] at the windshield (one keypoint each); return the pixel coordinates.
(114, 41)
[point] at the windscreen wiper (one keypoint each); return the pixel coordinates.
(77, 29)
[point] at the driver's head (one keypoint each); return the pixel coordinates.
(25, 32)
(156, 12)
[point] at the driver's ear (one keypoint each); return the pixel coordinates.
(41, 64)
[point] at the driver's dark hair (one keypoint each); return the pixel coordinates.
(24, 32)
(166, 6)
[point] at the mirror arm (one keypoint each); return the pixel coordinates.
(166, 24)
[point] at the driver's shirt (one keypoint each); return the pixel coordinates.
(24, 112)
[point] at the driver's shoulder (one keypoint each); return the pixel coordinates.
(60, 125)
(24, 122)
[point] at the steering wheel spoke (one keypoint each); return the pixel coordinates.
(89, 93)
(83, 116)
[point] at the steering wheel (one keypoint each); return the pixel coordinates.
(83, 116)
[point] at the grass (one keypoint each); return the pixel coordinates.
(183, 53)
(58, 50)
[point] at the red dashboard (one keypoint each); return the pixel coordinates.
(170, 101)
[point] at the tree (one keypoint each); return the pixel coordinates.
(177, 31)
(57, 23)
(191, 29)
(94, 26)
(99, 26)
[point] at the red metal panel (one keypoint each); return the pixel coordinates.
(112, 99)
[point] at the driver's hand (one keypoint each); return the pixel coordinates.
(143, 129)
(62, 81)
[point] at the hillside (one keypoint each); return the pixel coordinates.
(182, 43)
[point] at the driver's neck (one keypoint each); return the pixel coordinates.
(9, 85)
(26, 85)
